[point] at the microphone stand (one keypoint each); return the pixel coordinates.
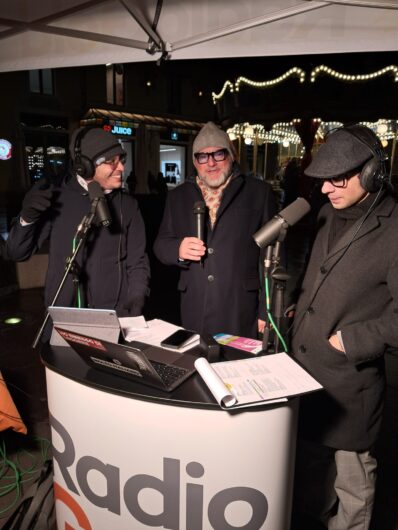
(276, 302)
(81, 235)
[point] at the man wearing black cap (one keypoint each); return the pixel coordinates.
(112, 270)
(346, 318)
(219, 282)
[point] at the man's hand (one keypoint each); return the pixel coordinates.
(36, 201)
(260, 325)
(192, 249)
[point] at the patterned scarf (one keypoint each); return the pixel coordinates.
(212, 197)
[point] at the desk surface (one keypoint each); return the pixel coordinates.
(192, 393)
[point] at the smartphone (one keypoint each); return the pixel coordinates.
(179, 339)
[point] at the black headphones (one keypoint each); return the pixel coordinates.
(374, 173)
(82, 165)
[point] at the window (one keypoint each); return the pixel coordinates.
(172, 163)
(41, 81)
(115, 84)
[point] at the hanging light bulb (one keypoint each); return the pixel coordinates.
(285, 143)
(382, 128)
(248, 141)
(232, 136)
(384, 143)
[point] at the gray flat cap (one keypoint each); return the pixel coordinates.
(342, 152)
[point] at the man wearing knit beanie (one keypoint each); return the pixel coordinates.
(207, 231)
(112, 268)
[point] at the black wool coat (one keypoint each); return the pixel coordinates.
(114, 267)
(223, 293)
(352, 289)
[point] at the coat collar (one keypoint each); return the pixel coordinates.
(362, 227)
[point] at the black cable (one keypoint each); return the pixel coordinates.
(365, 216)
(119, 253)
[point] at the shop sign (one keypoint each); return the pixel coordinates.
(5, 150)
(121, 128)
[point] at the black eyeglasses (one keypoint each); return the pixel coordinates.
(338, 182)
(341, 181)
(114, 162)
(217, 156)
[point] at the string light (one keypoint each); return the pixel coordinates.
(300, 73)
(282, 131)
(227, 84)
(286, 131)
(263, 84)
(322, 69)
(295, 71)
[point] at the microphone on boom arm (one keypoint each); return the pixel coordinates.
(290, 215)
(102, 211)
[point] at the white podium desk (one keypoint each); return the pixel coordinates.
(128, 457)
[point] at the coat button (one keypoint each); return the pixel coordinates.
(302, 349)
(210, 250)
(210, 278)
(310, 310)
(323, 270)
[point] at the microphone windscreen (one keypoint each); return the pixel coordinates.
(94, 190)
(295, 211)
(289, 216)
(102, 211)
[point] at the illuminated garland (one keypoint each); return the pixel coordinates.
(263, 84)
(347, 77)
(258, 84)
(223, 90)
(281, 132)
(318, 70)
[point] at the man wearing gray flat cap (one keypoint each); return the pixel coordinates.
(220, 283)
(345, 320)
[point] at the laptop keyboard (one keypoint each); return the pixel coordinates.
(168, 373)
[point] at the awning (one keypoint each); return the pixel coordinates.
(50, 34)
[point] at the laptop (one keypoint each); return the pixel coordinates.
(99, 323)
(144, 363)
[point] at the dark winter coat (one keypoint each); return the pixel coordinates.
(222, 294)
(352, 289)
(114, 269)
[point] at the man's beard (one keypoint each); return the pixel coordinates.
(216, 183)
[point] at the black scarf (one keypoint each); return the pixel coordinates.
(344, 219)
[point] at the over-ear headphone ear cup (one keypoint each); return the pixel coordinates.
(370, 177)
(374, 173)
(84, 167)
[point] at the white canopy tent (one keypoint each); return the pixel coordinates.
(60, 33)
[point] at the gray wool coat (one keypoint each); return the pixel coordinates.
(353, 289)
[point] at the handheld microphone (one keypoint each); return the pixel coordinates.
(287, 217)
(199, 211)
(102, 211)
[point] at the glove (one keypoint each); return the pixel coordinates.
(36, 201)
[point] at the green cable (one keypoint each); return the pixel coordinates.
(267, 301)
(19, 476)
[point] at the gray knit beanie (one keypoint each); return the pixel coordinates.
(212, 136)
(96, 144)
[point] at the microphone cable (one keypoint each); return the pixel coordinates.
(270, 317)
